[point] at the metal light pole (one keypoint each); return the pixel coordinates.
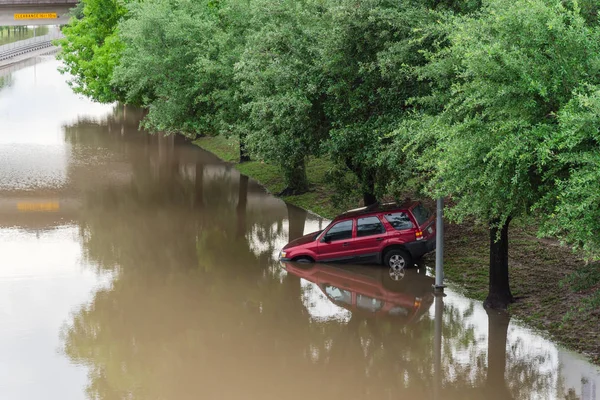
(439, 247)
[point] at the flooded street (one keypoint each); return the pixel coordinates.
(141, 267)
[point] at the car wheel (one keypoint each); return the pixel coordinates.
(303, 260)
(397, 261)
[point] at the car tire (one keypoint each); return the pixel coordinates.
(397, 260)
(303, 260)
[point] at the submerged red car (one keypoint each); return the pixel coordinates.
(392, 234)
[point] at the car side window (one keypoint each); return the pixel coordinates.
(369, 226)
(340, 231)
(399, 221)
(368, 303)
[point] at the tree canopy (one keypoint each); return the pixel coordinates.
(492, 104)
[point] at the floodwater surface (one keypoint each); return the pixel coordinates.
(141, 267)
(10, 34)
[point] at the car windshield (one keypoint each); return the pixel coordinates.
(316, 235)
(421, 214)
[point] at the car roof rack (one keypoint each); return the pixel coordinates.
(376, 207)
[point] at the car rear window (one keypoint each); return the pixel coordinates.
(421, 214)
(399, 221)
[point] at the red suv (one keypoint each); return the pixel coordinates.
(395, 235)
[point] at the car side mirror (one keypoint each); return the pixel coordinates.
(326, 238)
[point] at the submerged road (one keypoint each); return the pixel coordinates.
(141, 267)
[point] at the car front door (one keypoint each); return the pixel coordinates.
(336, 244)
(370, 238)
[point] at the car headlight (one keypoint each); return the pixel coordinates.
(282, 254)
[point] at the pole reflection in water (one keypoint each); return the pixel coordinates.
(437, 345)
(173, 257)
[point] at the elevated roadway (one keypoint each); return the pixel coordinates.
(18, 51)
(35, 12)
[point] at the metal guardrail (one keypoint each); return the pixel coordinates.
(21, 47)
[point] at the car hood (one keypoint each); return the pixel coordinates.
(302, 240)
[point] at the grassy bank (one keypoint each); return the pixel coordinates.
(317, 200)
(541, 271)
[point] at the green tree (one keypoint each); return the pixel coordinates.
(281, 86)
(499, 87)
(178, 62)
(364, 102)
(573, 157)
(91, 49)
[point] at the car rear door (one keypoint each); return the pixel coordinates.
(337, 243)
(370, 238)
(402, 226)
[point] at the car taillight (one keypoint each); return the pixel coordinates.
(419, 235)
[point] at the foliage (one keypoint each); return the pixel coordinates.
(281, 85)
(91, 49)
(178, 62)
(505, 76)
(574, 156)
(494, 104)
(367, 57)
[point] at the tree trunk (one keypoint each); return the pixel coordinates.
(295, 178)
(369, 190)
(497, 331)
(244, 156)
(369, 199)
(499, 296)
(241, 206)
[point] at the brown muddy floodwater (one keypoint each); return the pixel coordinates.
(139, 267)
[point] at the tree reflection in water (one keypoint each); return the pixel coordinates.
(200, 308)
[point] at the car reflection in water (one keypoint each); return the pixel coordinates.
(370, 291)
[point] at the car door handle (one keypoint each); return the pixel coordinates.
(345, 244)
(379, 239)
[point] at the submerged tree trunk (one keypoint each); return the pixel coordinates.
(499, 296)
(295, 178)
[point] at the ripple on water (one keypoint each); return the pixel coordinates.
(29, 166)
